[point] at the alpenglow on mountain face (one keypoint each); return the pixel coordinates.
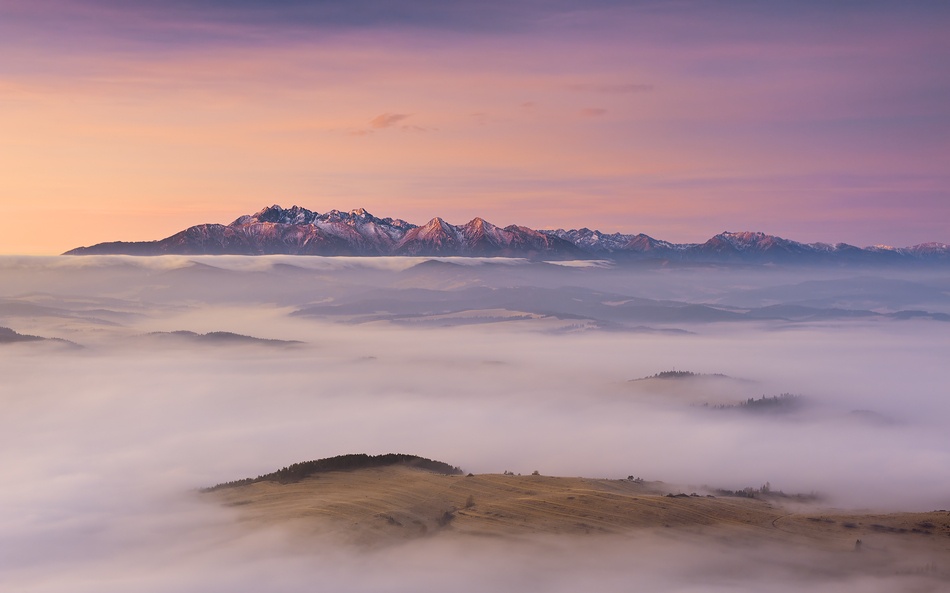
(298, 231)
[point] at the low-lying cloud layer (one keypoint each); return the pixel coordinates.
(103, 446)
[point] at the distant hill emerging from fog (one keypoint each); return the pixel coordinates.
(674, 374)
(298, 231)
(218, 338)
(777, 404)
(8, 336)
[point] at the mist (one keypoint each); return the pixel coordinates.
(112, 423)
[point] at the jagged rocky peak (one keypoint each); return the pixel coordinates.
(642, 242)
(437, 224)
(277, 215)
(398, 223)
(745, 236)
(596, 241)
(336, 216)
(435, 230)
(358, 216)
(931, 248)
(479, 225)
(748, 240)
(742, 238)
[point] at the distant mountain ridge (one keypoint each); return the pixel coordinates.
(299, 231)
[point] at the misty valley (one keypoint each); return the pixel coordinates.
(558, 425)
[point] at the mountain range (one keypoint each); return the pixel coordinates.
(299, 231)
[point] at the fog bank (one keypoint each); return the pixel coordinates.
(491, 366)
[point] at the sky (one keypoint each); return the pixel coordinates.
(132, 120)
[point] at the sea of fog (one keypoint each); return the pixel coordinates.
(110, 425)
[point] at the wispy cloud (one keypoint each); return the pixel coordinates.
(387, 120)
(593, 112)
(621, 88)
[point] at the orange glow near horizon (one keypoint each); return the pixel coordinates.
(102, 145)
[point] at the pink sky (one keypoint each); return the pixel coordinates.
(680, 120)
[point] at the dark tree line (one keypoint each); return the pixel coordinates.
(298, 471)
(785, 402)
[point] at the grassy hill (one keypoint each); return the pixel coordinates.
(382, 500)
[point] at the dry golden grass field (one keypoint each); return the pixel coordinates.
(388, 505)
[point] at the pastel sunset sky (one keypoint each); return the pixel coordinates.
(812, 120)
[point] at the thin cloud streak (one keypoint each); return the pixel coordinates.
(620, 88)
(387, 120)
